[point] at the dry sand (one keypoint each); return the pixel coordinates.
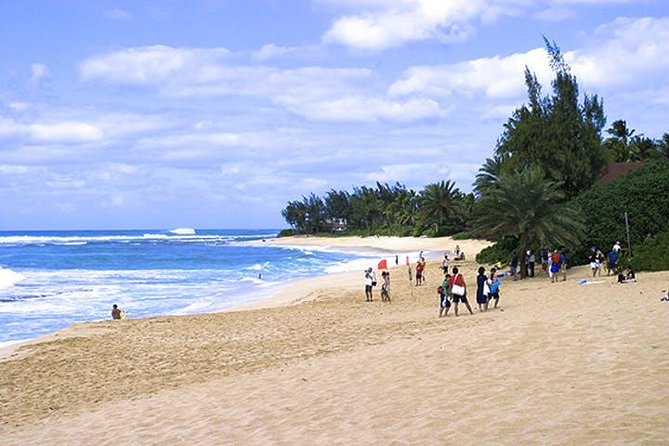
(559, 363)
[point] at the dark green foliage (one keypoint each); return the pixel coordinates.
(286, 233)
(556, 134)
(623, 146)
(439, 209)
(530, 208)
(502, 251)
(641, 193)
(462, 236)
(652, 255)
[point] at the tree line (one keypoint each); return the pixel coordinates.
(550, 151)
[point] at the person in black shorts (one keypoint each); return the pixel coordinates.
(459, 290)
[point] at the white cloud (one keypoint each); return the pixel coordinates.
(271, 51)
(318, 93)
(65, 132)
(405, 21)
(118, 14)
(150, 64)
(369, 109)
(383, 24)
(625, 52)
(495, 77)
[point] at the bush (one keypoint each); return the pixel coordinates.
(640, 193)
(651, 255)
(462, 236)
(502, 251)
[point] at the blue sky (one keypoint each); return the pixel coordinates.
(215, 113)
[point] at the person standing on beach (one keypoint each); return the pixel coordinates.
(494, 283)
(443, 293)
(385, 287)
(532, 260)
(368, 285)
(420, 267)
(481, 292)
(444, 264)
(555, 265)
(459, 290)
(563, 266)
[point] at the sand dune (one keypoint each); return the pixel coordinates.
(558, 364)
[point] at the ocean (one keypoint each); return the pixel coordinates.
(52, 279)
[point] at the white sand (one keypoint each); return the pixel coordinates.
(559, 363)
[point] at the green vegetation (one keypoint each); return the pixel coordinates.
(527, 206)
(535, 191)
(640, 194)
(651, 255)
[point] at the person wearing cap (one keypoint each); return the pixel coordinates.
(369, 279)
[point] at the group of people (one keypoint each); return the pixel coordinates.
(454, 289)
(597, 259)
(370, 283)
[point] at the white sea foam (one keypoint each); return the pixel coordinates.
(183, 231)
(81, 240)
(258, 266)
(8, 278)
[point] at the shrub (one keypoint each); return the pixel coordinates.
(640, 193)
(462, 236)
(651, 255)
(502, 251)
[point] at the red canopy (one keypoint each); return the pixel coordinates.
(383, 264)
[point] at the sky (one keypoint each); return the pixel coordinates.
(137, 114)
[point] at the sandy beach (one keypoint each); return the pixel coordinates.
(560, 363)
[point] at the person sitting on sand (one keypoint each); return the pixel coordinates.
(627, 276)
(117, 313)
(459, 290)
(385, 287)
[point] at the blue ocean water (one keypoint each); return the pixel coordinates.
(51, 279)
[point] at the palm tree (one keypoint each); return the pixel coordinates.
(438, 203)
(489, 173)
(527, 206)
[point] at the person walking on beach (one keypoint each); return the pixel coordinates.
(482, 290)
(385, 287)
(443, 293)
(494, 283)
(368, 285)
(459, 290)
(563, 265)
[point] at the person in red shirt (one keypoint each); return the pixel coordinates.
(458, 290)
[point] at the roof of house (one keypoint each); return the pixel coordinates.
(616, 170)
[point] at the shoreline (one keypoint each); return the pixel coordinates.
(296, 290)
